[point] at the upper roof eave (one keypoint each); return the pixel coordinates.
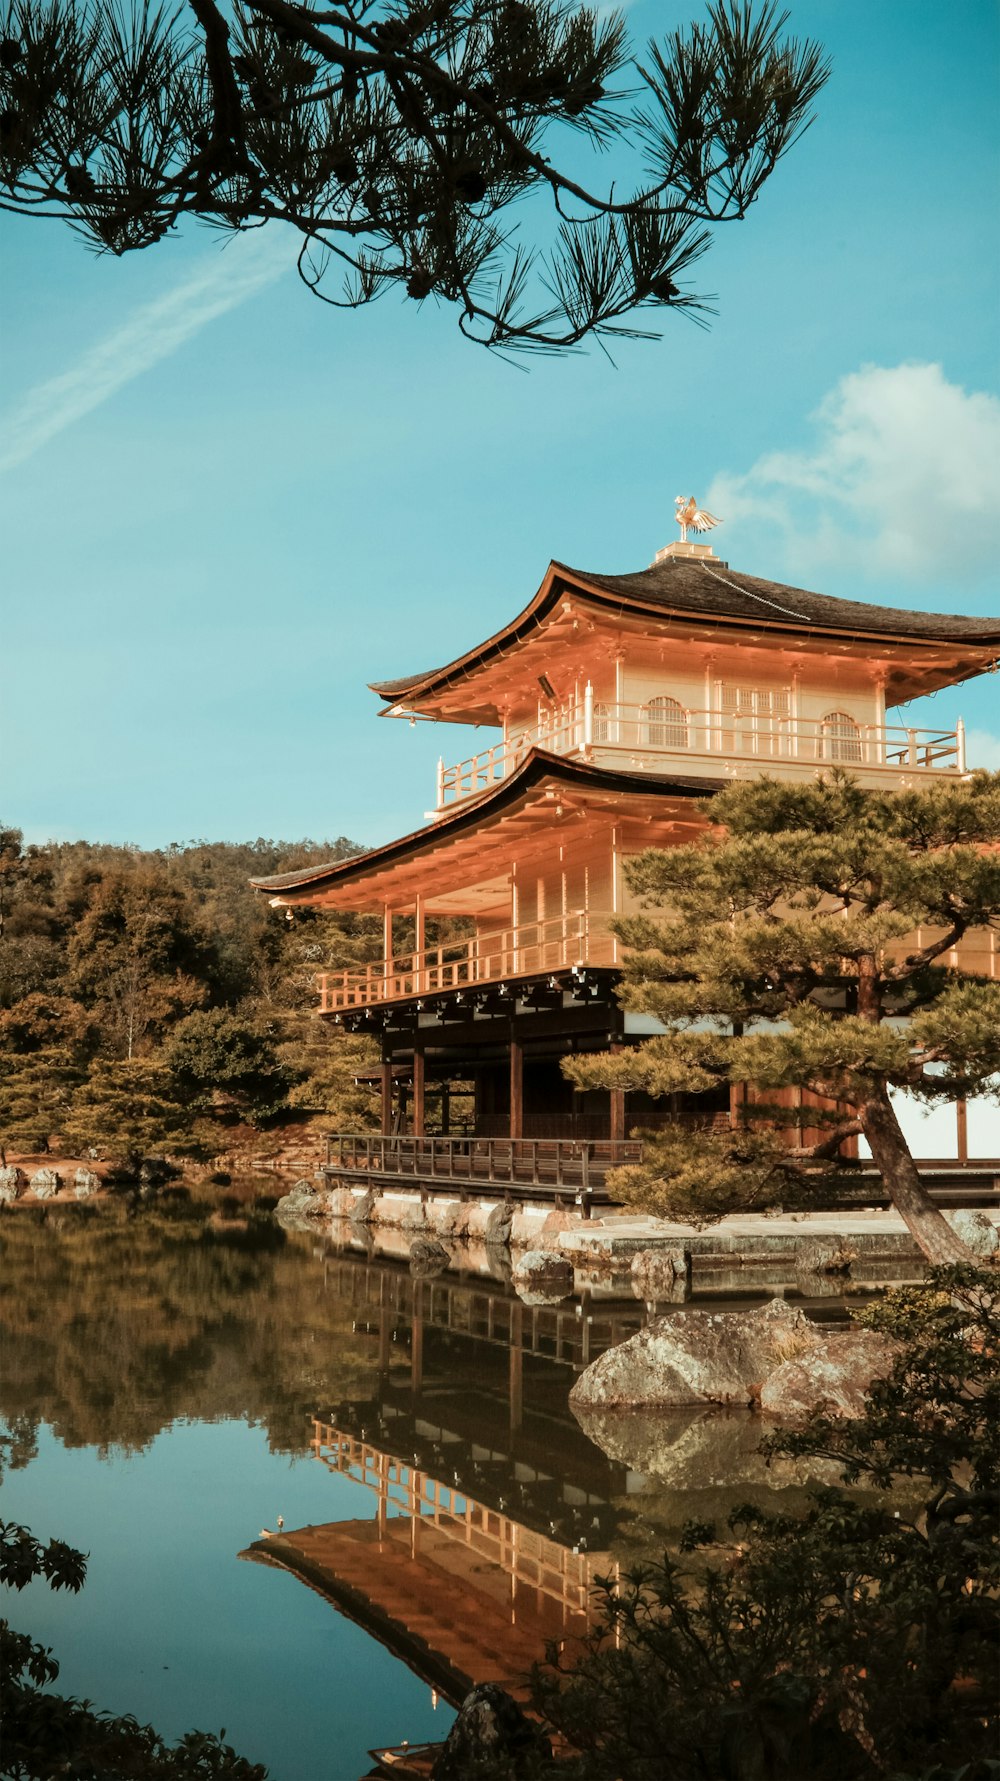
(684, 588)
(537, 765)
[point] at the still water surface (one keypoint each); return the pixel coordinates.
(174, 1380)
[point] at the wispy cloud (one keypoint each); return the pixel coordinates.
(903, 480)
(219, 283)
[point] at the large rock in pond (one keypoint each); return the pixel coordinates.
(340, 1202)
(497, 1232)
(541, 1278)
(977, 1231)
(834, 1376)
(302, 1201)
(428, 1257)
(697, 1357)
(363, 1209)
(490, 1738)
(659, 1275)
(85, 1183)
(13, 1182)
(45, 1183)
(824, 1255)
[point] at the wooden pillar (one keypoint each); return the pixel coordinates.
(418, 1123)
(962, 1122)
(384, 1337)
(516, 1368)
(419, 944)
(386, 948)
(445, 1109)
(417, 1339)
(616, 1130)
(386, 1096)
(516, 1088)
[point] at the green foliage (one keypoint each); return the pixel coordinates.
(396, 138)
(329, 1078)
(36, 1095)
(856, 1641)
(167, 962)
(782, 952)
(218, 1056)
(126, 1110)
(697, 1181)
(46, 1735)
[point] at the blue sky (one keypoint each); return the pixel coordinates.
(225, 508)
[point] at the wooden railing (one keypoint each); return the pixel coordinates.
(485, 1165)
(651, 734)
(564, 1574)
(580, 937)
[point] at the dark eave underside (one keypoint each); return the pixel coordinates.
(693, 587)
(536, 766)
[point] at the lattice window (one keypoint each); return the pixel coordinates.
(755, 702)
(841, 737)
(667, 723)
(754, 718)
(602, 722)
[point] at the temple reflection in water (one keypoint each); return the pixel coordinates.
(492, 1512)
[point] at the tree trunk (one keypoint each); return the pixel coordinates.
(890, 1153)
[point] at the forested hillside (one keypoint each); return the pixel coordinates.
(151, 1001)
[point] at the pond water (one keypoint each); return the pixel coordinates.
(175, 1379)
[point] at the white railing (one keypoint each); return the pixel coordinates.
(645, 737)
(580, 937)
(560, 731)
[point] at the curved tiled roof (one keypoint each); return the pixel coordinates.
(537, 765)
(716, 592)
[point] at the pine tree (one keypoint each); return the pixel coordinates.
(36, 1092)
(129, 1109)
(803, 945)
(395, 137)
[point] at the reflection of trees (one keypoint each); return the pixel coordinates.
(113, 1325)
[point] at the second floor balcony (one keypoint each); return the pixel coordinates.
(578, 938)
(663, 736)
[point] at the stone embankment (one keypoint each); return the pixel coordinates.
(662, 1255)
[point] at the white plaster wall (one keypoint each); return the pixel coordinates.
(933, 1131)
(984, 1127)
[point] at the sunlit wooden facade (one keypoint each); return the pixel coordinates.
(618, 702)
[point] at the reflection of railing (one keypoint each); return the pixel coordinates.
(580, 937)
(646, 735)
(577, 1165)
(563, 1575)
(480, 1311)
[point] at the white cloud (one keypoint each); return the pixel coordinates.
(903, 481)
(219, 283)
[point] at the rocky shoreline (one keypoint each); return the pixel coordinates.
(815, 1244)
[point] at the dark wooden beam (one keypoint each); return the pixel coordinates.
(386, 1096)
(516, 1088)
(616, 1129)
(418, 1123)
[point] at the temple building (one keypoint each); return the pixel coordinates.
(618, 702)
